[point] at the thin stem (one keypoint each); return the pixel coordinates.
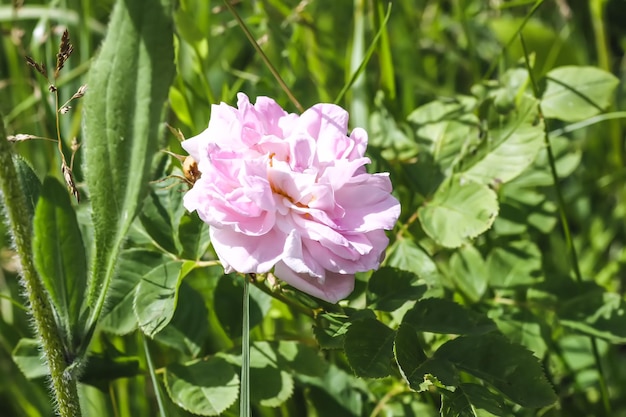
(244, 396)
(518, 32)
(566, 228)
(155, 383)
(63, 381)
(264, 57)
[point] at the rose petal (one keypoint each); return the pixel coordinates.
(332, 288)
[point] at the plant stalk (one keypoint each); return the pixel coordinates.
(63, 381)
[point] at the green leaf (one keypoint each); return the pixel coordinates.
(460, 210)
(468, 272)
(189, 327)
(437, 315)
(207, 387)
(228, 304)
(445, 129)
(409, 355)
(467, 398)
(156, 220)
(156, 297)
(408, 256)
(128, 86)
(576, 93)
(31, 185)
(134, 264)
(508, 367)
(27, 356)
(266, 366)
(521, 326)
(515, 264)
(369, 348)
(59, 256)
(595, 312)
(510, 148)
(389, 288)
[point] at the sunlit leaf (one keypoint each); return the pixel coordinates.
(128, 86)
(459, 211)
(189, 327)
(510, 147)
(156, 297)
(575, 93)
(120, 317)
(207, 387)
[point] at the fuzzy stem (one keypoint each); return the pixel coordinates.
(63, 382)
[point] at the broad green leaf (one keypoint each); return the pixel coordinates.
(394, 142)
(437, 315)
(207, 387)
(510, 147)
(156, 297)
(189, 327)
(468, 398)
(595, 312)
(228, 304)
(31, 185)
(445, 129)
(409, 355)
(515, 264)
(576, 93)
(435, 372)
(337, 393)
(408, 256)
(521, 326)
(128, 86)
(59, 256)
(459, 211)
(389, 288)
(508, 367)
(134, 264)
(369, 348)
(156, 220)
(468, 272)
(330, 328)
(27, 356)
(300, 359)
(265, 365)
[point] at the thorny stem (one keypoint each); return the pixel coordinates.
(566, 228)
(63, 382)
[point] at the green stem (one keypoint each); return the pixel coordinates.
(267, 61)
(566, 228)
(63, 381)
(244, 396)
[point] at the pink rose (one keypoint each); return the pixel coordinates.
(291, 193)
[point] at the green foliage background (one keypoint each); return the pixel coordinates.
(479, 274)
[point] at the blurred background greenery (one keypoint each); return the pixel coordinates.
(430, 49)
